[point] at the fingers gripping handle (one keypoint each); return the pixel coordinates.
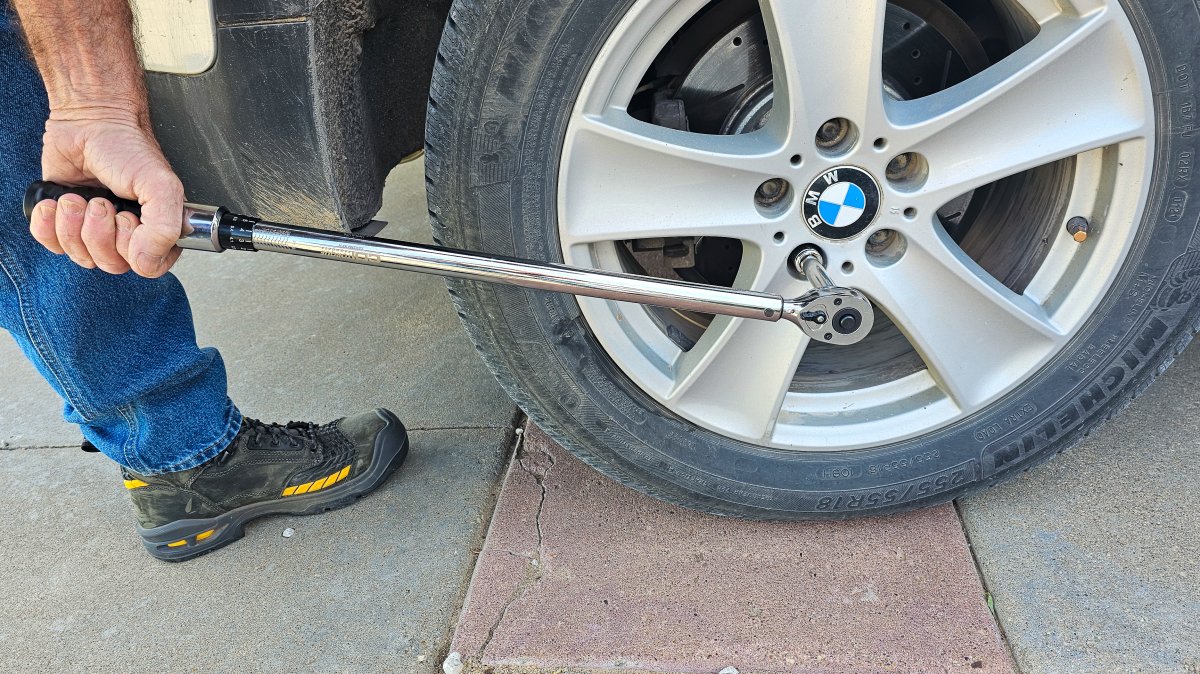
(42, 189)
(201, 224)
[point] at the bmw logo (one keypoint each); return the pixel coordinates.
(841, 202)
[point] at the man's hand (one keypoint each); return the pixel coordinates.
(99, 134)
(110, 149)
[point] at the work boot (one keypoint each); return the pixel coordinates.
(297, 468)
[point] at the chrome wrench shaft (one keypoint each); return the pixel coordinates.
(828, 313)
(512, 271)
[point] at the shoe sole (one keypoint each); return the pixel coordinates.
(391, 448)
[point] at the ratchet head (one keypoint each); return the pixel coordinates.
(832, 315)
(828, 313)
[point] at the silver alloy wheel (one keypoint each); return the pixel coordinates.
(1079, 88)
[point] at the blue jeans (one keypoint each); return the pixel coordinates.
(120, 350)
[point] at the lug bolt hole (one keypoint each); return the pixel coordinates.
(773, 196)
(907, 172)
(836, 136)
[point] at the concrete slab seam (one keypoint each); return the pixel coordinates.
(461, 428)
(983, 583)
(535, 569)
(513, 440)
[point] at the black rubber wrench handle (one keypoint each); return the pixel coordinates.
(43, 189)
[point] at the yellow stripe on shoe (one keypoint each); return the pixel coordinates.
(199, 537)
(323, 483)
(134, 484)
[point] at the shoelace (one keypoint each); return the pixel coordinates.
(293, 433)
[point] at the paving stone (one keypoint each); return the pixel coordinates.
(579, 573)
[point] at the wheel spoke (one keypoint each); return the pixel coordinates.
(1066, 92)
(738, 373)
(974, 334)
(633, 180)
(827, 56)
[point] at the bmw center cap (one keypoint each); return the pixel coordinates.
(841, 202)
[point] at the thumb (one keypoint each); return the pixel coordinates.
(152, 244)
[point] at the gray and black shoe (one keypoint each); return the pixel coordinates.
(269, 469)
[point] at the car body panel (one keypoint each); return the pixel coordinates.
(306, 108)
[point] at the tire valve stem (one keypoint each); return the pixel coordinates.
(1079, 228)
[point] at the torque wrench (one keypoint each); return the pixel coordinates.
(828, 313)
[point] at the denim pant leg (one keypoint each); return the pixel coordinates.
(120, 350)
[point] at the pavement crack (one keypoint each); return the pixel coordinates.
(13, 448)
(539, 472)
(538, 466)
(457, 428)
(962, 522)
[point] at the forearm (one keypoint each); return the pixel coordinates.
(86, 54)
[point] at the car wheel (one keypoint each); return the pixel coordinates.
(1031, 253)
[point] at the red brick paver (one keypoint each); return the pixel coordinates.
(579, 573)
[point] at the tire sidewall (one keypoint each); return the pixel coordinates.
(517, 81)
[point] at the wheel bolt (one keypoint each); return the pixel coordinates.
(898, 167)
(880, 239)
(771, 192)
(885, 247)
(907, 171)
(833, 132)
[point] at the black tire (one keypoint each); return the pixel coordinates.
(505, 81)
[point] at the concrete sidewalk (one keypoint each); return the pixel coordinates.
(1093, 558)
